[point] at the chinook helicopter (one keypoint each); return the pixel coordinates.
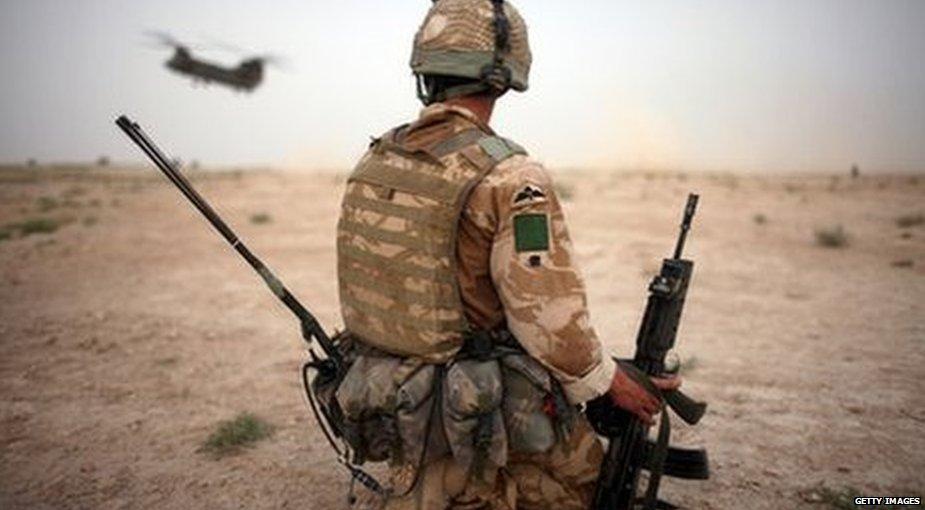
(245, 76)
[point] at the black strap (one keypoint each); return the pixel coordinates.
(502, 30)
(495, 75)
(657, 462)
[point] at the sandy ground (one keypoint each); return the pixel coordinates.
(128, 333)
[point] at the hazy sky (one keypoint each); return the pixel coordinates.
(755, 85)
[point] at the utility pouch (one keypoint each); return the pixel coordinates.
(325, 382)
(367, 397)
(472, 418)
(418, 417)
(528, 390)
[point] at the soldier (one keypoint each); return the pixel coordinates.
(454, 261)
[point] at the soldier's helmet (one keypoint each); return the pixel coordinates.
(470, 46)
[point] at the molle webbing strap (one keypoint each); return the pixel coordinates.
(433, 247)
(410, 181)
(409, 321)
(440, 349)
(408, 269)
(432, 216)
(392, 288)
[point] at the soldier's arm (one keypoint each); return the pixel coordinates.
(540, 287)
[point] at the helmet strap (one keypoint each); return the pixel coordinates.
(496, 76)
(428, 96)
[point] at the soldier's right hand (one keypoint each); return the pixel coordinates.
(629, 395)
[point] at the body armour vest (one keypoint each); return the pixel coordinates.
(396, 241)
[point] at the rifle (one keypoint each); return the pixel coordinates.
(331, 368)
(629, 450)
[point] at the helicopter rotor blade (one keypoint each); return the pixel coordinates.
(274, 60)
(162, 38)
(219, 44)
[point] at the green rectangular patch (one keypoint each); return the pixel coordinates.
(531, 232)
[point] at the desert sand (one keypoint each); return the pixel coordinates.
(131, 330)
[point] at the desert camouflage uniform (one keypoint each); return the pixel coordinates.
(538, 294)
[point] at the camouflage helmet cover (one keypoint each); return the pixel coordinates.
(457, 38)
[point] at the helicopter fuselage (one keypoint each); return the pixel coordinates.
(246, 76)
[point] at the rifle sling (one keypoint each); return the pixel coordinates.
(657, 462)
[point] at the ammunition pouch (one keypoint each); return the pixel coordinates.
(473, 423)
(322, 388)
(491, 399)
(383, 397)
(533, 418)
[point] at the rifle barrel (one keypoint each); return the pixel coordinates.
(689, 211)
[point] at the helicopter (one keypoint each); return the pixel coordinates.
(246, 76)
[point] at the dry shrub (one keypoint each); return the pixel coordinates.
(261, 218)
(232, 435)
(29, 226)
(910, 220)
(834, 237)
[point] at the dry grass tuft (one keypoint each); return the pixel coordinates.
(45, 204)
(233, 435)
(261, 218)
(832, 237)
(910, 220)
(29, 226)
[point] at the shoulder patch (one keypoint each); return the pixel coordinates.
(500, 148)
(531, 232)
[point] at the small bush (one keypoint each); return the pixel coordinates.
(233, 435)
(167, 362)
(839, 499)
(31, 226)
(89, 221)
(46, 203)
(261, 218)
(38, 226)
(910, 220)
(74, 191)
(760, 219)
(832, 237)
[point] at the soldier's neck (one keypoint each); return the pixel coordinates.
(481, 105)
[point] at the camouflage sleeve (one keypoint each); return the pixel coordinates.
(534, 273)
